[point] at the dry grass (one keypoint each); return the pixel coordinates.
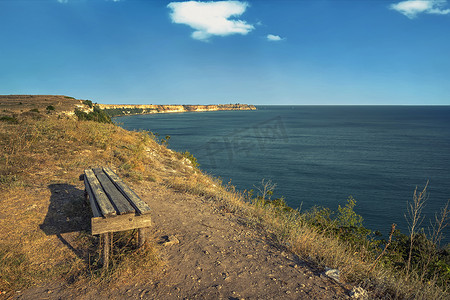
(41, 161)
(42, 158)
(289, 230)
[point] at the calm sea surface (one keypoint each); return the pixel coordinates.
(320, 155)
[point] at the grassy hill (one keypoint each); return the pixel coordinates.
(43, 152)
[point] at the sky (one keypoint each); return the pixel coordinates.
(262, 52)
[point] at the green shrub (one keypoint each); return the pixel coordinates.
(9, 119)
(191, 158)
(96, 115)
(88, 103)
(50, 107)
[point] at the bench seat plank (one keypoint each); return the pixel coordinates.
(140, 206)
(95, 209)
(104, 204)
(115, 196)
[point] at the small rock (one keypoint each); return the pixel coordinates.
(358, 293)
(171, 240)
(332, 273)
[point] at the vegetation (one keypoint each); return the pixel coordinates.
(41, 159)
(338, 239)
(116, 112)
(191, 158)
(96, 115)
(88, 103)
(9, 119)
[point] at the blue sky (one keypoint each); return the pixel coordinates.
(258, 52)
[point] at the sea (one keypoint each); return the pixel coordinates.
(322, 155)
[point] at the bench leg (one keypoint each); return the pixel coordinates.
(142, 236)
(107, 241)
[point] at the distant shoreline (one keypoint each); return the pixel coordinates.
(117, 110)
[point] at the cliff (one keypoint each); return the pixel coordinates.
(123, 109)
(64, 105)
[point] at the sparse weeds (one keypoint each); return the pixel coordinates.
(335, 239)
(9, 119)
(35, 153)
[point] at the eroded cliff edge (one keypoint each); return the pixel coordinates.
(123, 110)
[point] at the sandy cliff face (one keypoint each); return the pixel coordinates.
(153, 108)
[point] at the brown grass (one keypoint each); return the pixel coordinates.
(288, 230)
(40, 153)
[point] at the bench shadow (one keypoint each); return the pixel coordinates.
(68, 212)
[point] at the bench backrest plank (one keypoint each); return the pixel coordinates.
(140, 206)
(104, 204)
(117, 199)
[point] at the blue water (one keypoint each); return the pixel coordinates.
(320, 155)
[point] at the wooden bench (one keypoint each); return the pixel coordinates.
(115, 207)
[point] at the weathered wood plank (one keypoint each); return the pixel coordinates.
(95, 209)
(119, 223)
(117, 199)
(140, 206)
(103, 202)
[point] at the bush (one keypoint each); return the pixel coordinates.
(50, 107)
(9, 119)
(191, 158)
(88, 103)
(96, 115)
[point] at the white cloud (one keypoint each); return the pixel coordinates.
(274, 38)
(63, 1)
(411, 8)
(211, 18)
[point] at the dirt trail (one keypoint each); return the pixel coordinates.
(210, 254)
(213, 255)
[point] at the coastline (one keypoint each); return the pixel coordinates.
(54, 150)
(116, 110)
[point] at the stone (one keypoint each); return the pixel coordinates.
(171, 240)
(358, 293)
(332, 273)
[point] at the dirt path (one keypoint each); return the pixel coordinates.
(210, 254)
(214, 255)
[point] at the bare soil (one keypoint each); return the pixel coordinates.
(208, 253)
